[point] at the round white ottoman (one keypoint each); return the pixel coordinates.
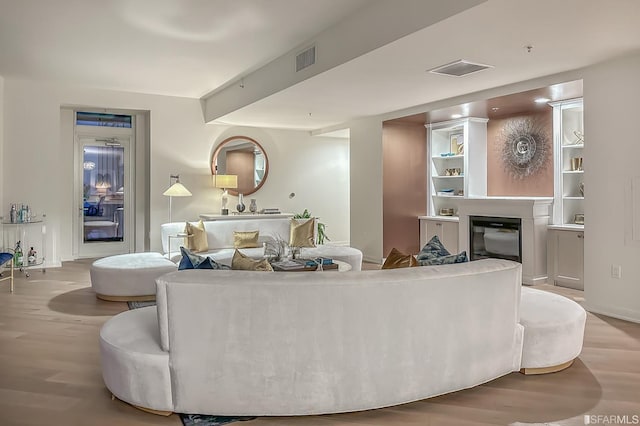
(129, 277)
(553, 331)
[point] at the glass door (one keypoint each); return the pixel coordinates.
(104, 196)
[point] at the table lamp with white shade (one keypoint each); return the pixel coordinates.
(175, 190)
(225, 182)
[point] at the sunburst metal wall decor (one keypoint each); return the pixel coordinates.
(525, 148)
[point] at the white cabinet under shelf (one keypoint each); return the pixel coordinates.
(457, 163)
(568, 140)
(446, 228)
(565, 251)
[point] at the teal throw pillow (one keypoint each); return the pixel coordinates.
(445, 260)
(194, 261)
(432, 250)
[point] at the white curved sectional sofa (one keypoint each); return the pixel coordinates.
(220, 240)
(272, 344)
(259, 343)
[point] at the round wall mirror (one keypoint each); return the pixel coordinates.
(243, 157)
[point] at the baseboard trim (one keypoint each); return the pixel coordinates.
(622, 314)
(337, 243)
(535, 280)
(372, 260)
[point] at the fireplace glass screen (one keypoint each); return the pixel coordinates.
(498, 237)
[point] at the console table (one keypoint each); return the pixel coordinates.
(243, 216)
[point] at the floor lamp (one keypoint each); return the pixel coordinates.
(175, 190)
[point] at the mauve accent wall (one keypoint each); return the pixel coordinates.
(499, 181)
(404, 153)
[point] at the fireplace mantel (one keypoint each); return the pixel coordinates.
(535, 213)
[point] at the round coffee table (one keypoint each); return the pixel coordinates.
(342, 267)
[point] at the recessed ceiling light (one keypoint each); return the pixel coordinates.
(542, 100)
(456, 115)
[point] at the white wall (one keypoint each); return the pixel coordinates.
(3, 209)
(37, 165)
(612, 150)
(315, 168)
(366, 187)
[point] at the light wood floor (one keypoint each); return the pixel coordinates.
(50, 370)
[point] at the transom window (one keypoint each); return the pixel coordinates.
(103, 120)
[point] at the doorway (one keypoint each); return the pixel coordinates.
(104, 191)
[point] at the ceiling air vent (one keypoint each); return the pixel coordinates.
(306, 59)
(459, 68)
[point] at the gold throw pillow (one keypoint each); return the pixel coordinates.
(245, 239)
(396, 259)
(197, 239)
(301, 233)
(245, 263)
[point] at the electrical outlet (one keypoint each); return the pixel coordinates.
(616, 271)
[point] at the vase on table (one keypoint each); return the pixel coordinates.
(240, 207)
(253, 207)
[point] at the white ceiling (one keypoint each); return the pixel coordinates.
(168, 47)
(194, 47)
(565, 35)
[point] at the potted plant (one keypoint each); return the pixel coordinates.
(321, 235)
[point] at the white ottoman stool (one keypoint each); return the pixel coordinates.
(553, 331)
(129, 277)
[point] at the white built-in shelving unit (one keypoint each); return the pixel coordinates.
(457, 165)
(568, 136)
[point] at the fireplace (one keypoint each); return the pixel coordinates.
(534, 214)
(497, 237)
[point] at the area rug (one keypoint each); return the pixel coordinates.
(200, 420)
(196, 419)
(136, 305)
